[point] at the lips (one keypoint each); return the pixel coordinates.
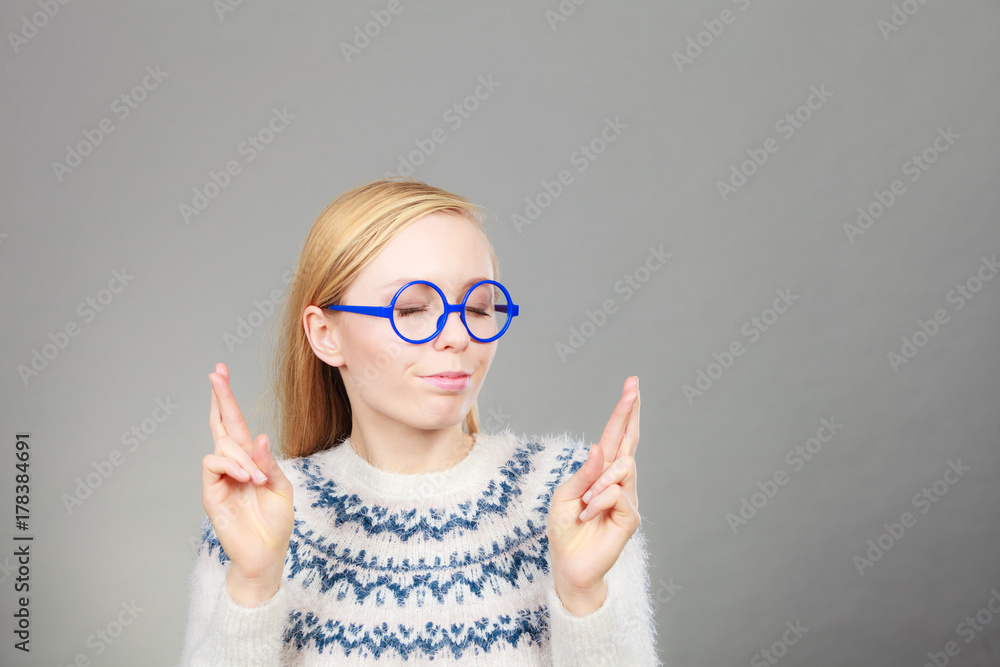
(448, 380)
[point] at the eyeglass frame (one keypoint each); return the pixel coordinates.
(387, 311)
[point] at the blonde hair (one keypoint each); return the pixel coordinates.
(311, 409)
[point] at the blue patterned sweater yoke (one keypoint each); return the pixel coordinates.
(447, 567)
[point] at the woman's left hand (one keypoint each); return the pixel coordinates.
(583, 548)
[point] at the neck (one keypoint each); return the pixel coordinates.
(438, 450)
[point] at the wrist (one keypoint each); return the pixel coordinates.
(581, 601)
(251, 591)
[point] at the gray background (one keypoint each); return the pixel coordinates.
(722, 596)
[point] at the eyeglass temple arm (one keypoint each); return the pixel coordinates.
(503, 308)
(378, 311)
(386, 311)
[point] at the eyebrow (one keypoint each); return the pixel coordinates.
(396, 284)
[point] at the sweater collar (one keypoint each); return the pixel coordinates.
(348, 466)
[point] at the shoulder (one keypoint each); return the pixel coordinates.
(539, 463)
(561, 454)
(311, 469)
(554, 454)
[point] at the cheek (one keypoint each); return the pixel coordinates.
(485, 356)
(375, 355)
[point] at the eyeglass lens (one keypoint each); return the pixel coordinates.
(419, 308)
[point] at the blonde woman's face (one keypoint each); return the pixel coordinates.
(394, 378)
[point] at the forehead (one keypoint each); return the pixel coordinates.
(443, 248)
(454, 288)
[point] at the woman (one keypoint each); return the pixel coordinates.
(392, 530)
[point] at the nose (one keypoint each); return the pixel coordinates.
(454, 332)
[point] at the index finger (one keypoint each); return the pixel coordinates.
(215, 418)
(617, 432)
(232, 418)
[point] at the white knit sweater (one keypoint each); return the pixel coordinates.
(448, 567)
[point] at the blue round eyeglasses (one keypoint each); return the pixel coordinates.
(419, 311)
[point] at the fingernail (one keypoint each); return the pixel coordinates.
(586, 496)
(583, 515)
(259, 477)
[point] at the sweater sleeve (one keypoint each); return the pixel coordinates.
(619, 632)
(219, 631)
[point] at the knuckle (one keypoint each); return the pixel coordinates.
(634, 517)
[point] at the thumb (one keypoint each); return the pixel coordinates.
(587, 474)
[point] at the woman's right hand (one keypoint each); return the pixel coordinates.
(247, 497)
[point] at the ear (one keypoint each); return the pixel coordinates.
(322, 335)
